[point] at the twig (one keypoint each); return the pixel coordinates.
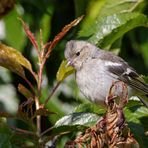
(40, 76)
(22, 131)
(46, 131)
(52, 92)
(31, 86)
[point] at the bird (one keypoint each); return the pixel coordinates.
(97, 69)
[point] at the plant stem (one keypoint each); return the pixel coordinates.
(22, 131)
(37, 103)
(38, 118)
(47, 130)
(40, 77)
(31, 86)
(52, 92)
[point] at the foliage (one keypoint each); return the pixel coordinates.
(55, 117)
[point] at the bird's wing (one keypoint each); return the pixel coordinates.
(128, 75)
(124, 72)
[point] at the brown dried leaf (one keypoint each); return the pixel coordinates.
(13, 60)
(59, 36)
(112, 130)
(25, 110)
(24, 91)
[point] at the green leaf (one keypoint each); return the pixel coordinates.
(46, 25)
(91, 108)
(138, 132)
(66, 129)
(108, 29)
(13, 60)
(14, 31)
(122, 23)
(80, 118)
(5, 136)
(137, 118)
(80, 6)
(110, 20)
(136, 113)
(64, 71)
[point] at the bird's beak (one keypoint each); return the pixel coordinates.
(69, 63)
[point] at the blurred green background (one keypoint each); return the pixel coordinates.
(51, 16)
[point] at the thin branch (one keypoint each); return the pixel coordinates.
(37, 103)
(49, 129)
(46, 131)
(40, 73)
(31, 86)
(22, 131)
(52, 92)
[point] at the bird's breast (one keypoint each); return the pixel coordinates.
(93, 81)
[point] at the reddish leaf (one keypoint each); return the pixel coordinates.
(29, 34)
(59, 36)
(24, 91)
(13, 60)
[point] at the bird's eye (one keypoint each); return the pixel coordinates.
(77, 53)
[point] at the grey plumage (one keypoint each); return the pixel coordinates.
(96, 70)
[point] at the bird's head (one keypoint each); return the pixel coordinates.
(77, 52)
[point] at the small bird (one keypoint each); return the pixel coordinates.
(96, 70)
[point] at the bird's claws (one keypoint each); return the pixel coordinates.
(117, 90)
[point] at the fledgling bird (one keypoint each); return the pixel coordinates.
(96, 70)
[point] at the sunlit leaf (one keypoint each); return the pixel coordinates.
(101, 8)
(91, 108)
(122, 24)
(108, 20)
(80, 118)
(108, 29)
(136, 113)
(24, 91)
(13, 60)
(64, 71)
